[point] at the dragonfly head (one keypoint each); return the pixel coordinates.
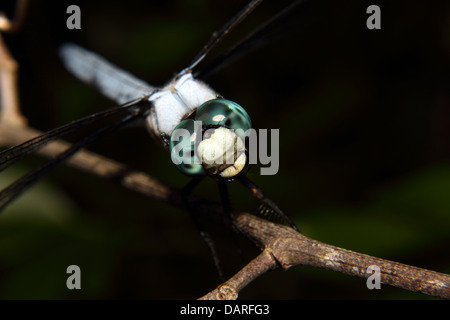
(212, 140)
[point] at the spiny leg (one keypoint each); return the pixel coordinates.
(203, 234)
(225, 199)
(258, 193)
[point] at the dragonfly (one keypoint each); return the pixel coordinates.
(167, 109)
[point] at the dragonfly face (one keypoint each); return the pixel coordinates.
(217, 147)
(206, 134)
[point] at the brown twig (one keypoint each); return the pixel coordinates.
(14, 24)
(291, 248)
(92, 163)
(230, 289)
(9, 97)
(282, 246)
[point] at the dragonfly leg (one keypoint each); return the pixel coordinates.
(225, 199)
(206, 237)
(258, 193)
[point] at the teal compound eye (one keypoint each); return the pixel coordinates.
(182, 149)
(184, 140)
(224, 113)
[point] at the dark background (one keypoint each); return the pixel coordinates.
(364, 147)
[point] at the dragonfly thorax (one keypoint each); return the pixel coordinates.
(172, 103)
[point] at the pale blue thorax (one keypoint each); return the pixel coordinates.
(171, 103)
(175, 101)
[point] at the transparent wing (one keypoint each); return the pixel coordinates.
(11, 155)
(16, 188)
(218, 36)
(116, 84)
(246, 44)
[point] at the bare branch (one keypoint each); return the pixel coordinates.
(230, 289)
(282, 245)
(9, 98)
(94, 164)
(9, 93)
(288, 248)
(14, 24)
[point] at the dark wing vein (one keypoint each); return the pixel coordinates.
(244, 45)
(220, 35)
(11, 155)
(16, 188)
